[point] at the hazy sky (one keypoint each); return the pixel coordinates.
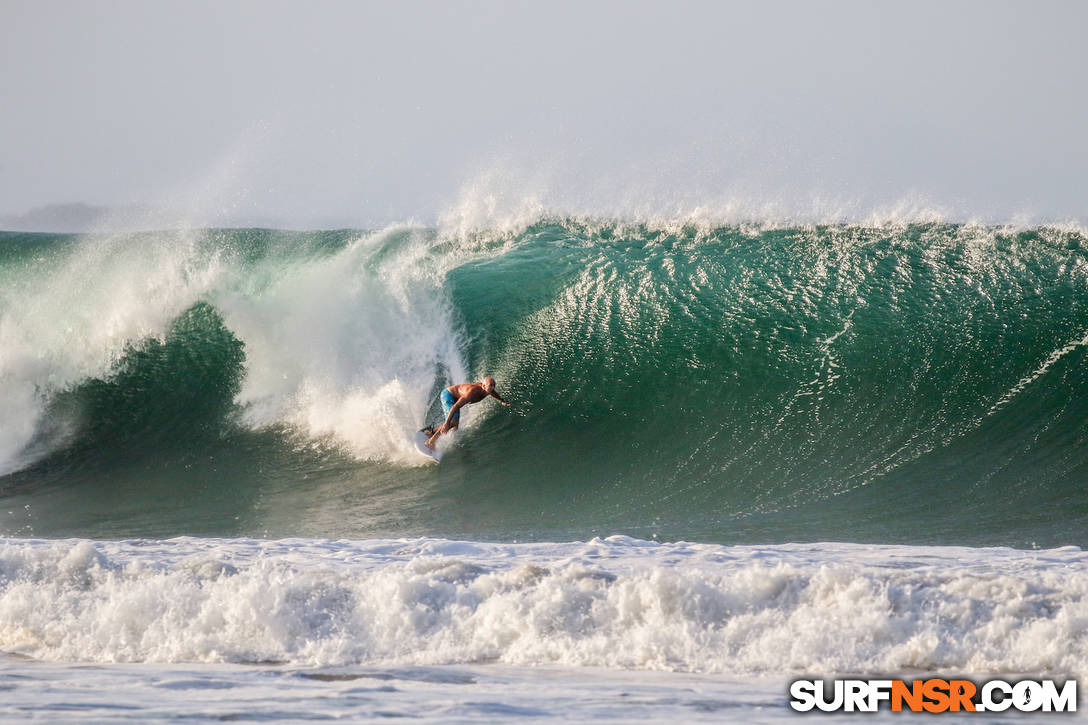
(336, 113)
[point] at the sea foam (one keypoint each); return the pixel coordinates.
(616, 603)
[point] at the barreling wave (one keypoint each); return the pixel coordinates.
(915, 382)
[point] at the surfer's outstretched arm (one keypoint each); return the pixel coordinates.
(499, 398)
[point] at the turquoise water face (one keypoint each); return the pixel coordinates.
(906, 384)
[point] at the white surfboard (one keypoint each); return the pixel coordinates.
(421, 444)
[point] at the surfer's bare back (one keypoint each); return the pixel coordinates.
(456, 397)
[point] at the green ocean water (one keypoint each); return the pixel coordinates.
(918, 384)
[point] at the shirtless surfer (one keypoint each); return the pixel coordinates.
(456, 397)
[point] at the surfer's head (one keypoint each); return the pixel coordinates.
(489, 384)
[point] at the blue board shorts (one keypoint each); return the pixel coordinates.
(447, 403)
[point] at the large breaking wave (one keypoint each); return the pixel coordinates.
(672, 378)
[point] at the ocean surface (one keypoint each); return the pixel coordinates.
(738, 455)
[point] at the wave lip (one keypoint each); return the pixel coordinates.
(340, 333)
(617, 602)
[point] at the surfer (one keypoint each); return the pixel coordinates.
(456, 397)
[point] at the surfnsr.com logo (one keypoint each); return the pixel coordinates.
(933, 695)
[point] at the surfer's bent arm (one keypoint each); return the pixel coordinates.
(461, 402)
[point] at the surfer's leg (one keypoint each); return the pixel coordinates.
(448, 402)
(443, 429)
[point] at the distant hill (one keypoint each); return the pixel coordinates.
(75, 217)
(78, 218)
